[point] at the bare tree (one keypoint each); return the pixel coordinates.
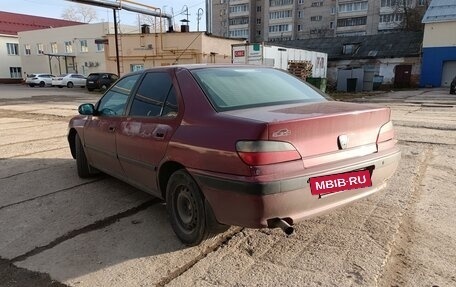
(156, 24)
(411, 12)
(80, 13)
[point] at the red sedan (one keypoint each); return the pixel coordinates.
(234, 145)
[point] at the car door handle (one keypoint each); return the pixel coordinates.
(159, 135)
(111, 129)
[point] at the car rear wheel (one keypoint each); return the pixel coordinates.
(70, 85)
(42, 84)
(84, 169)
(185, 205)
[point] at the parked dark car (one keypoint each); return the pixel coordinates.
(100, 81)
(453, 86)
(234, 145)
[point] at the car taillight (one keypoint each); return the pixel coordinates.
(266, 152)
(386, 132)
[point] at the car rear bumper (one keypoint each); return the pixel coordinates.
(243, 202)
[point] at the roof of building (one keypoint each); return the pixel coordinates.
(387, 45)
(12, 23)
(440, 11)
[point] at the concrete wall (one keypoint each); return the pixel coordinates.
(383, 67)
(152, 50)
(85, 62)
(6, 60)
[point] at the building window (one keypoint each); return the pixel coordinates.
(15, 72)
(353, 7)
(299, 28)
(100, 47)
(301, 2)
(54, 48)
(136, 67)
(39, 48)
(350, 49)
(280, 28)
(316, 18)
(331, 25)
(387, 18)
(395, 3)
(273, 3)
(239, 21)
(239, 33)
(68, 47)
(258, 21)
(258, 8)
(239, 8)
(27, 49)
(84, 46)
(300, 14)
(317, 4)
(13, 48)
(332, 10)
(358, 21)
(421, 2)
(280, 14)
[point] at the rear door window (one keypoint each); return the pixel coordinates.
(155, 97)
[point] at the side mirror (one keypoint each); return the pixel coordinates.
(86, 109)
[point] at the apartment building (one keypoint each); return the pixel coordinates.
(281, 20)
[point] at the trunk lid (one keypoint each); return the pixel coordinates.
(323, 131)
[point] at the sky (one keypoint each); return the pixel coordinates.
(54, 9)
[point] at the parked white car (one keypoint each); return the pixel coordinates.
(41, 79)
(69, 80)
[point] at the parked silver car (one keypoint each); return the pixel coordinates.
(39, 80)
(69, 80)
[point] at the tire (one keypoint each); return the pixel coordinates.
(82, 164)
(32, 85)
(70, 85)
(185, 206)
(60, 87)
(42, 84)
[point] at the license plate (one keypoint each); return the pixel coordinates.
(91, 82)
(340, 182)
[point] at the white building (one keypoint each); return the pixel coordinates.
(11, 69)
(11, 24)
(73, 49)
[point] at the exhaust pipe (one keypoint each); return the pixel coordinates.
(282, 224)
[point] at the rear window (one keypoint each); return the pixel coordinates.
(239, 88)
(93, 76)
